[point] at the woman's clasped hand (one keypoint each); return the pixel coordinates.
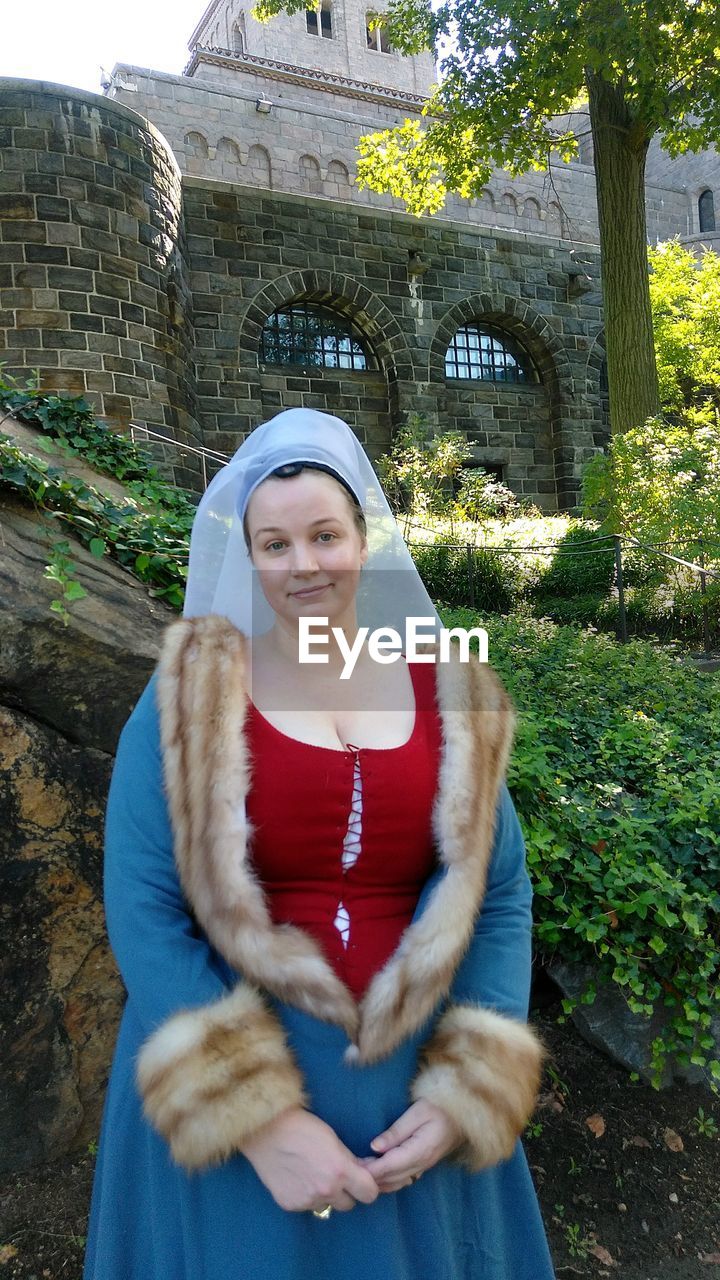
(305, 1166)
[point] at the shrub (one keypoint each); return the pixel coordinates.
(445, 570)
(660, 482)
(481, 495)
(583, 563)
(614, 776)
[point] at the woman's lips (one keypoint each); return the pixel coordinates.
(310, 592)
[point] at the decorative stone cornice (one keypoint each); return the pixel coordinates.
(325, 81)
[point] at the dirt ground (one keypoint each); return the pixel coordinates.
(628, 1179)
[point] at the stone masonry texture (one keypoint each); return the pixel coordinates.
(94, 287)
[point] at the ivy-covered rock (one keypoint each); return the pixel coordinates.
(82, 678)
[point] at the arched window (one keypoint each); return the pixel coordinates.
(377, 38)
(196, 145)
(310, 174)
(307, 334)
(706, 211)
(482, 351)
(320, 24)
(238, 35)
(226, 149)
(259, 166)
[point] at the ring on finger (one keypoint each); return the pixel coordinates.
(322, 1213)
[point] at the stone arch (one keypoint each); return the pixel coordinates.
(238, 38)
(556, 218)
(597, 394)
(508, 203)
(196, 144)
(310, 177)
(531, 209)
(228, 153)
(259, 166)
(516, 318)
(370, 316)
(596, 360)
(486, 197)
(369, 400)
(553, 366)
(337, 182)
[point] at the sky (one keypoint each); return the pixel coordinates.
(68, 41)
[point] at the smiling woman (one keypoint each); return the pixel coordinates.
(316, 892)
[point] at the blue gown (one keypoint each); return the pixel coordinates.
(150, 1219)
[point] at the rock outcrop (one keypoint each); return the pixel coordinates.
(65, 692)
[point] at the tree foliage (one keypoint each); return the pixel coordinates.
(661, 480)
(685, 295)
(514, 72)
(514, 76)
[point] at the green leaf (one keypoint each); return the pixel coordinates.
(98, 547)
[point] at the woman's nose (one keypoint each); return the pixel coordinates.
(303, 558)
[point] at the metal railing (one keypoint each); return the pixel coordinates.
(602, 542)
(143, 435)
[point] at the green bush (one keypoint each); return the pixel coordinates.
(445, 570)
(614, 774)
(583, 563)
(660, 482)
(481, 495)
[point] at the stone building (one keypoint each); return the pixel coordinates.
(194, 252)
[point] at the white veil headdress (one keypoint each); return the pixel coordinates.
(221, 578)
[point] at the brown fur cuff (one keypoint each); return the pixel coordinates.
(483, 1069)
(210, 1077)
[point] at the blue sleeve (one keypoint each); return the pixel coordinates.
(495, 971)
(165, 961)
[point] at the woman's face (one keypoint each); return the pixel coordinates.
(306, 547)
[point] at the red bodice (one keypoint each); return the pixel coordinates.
(299, 804)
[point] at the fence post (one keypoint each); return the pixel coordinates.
(622, 616)
(703, 589)
(470, 574)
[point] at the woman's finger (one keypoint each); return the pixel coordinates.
(360, 1183)
(403, 1128)
(343, 1202)
(398, 1163)
(397, 1184)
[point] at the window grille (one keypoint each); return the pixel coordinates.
(307, 334)
(483, 352)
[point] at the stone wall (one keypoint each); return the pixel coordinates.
(211, 122)
(93, 280)
(406, 284)
(286, 39)
(695, 172)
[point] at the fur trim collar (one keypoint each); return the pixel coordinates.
(202, 697)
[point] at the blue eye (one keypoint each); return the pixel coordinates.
(272, 545)
(326, 535)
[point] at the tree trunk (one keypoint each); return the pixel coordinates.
(621, 145)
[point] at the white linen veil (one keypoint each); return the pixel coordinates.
(221, 578)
